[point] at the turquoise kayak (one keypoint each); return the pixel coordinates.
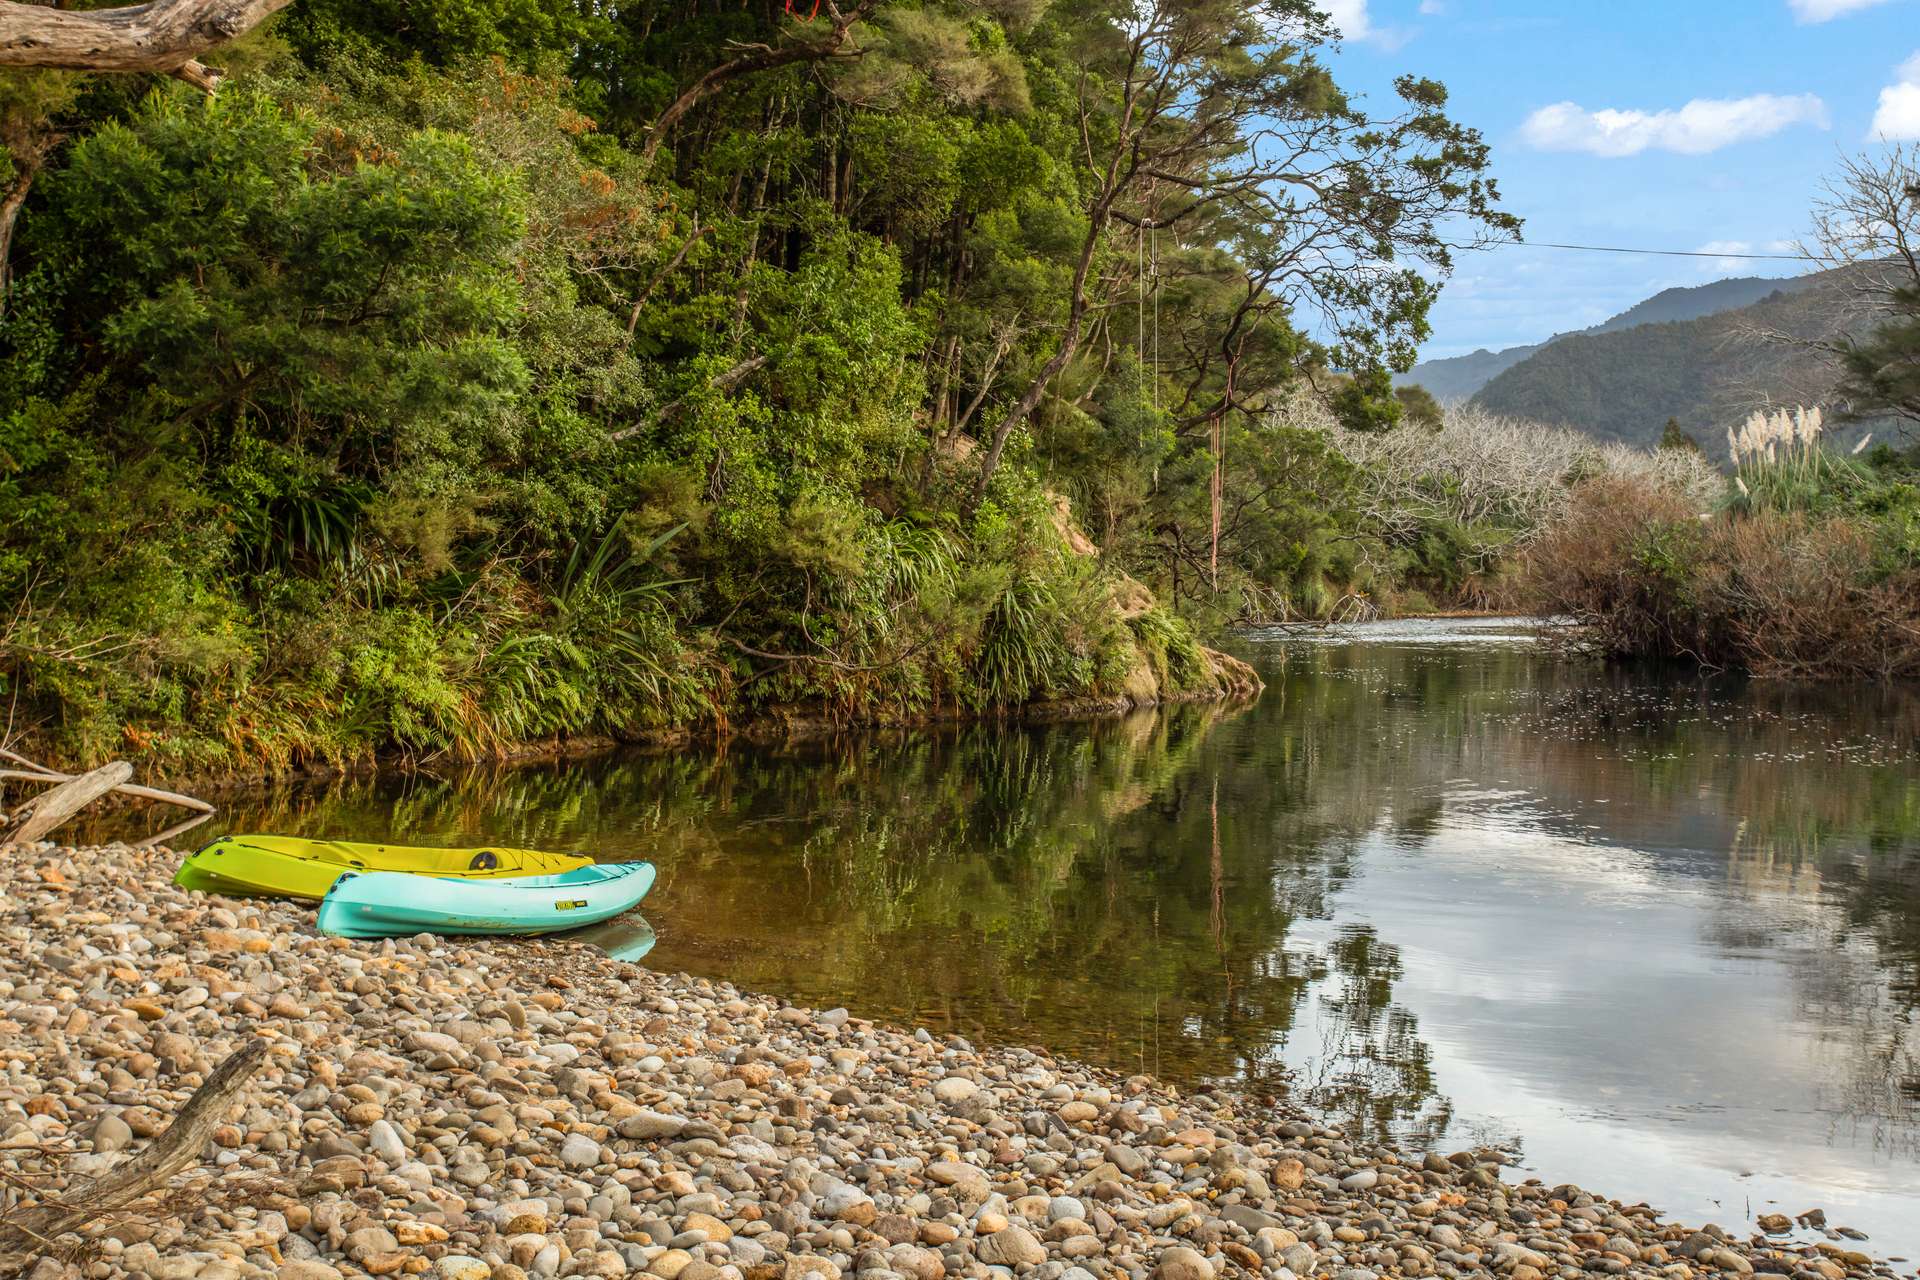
(389, 904)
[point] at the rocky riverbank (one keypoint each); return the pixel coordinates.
(471, 1109)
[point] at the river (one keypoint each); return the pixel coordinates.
(1655, 933)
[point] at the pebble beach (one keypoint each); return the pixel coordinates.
(466, 1109)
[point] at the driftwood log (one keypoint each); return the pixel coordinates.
(164, 36)
(33, 819)
(37, 774)
(51, 808)
(26, 1234)
(161, 837)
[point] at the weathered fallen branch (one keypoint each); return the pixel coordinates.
(726, 380)
(126, 788)
(161, 837)
(673, 264)
(72, 792)
(26, 1233)
(44, 812)
(164, 36)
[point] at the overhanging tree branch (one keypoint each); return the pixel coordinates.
(726, 380)
(761, 57)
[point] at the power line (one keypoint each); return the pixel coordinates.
(1674, 253)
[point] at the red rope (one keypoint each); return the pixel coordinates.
(811, 13)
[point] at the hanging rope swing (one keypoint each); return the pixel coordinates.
(811, 13)
(1147, 277)
(1216, 491)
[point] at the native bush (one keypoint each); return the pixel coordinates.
(1614, 564)
(1047, 635)
(1773, 593)
(321, 353)
(1170, 650)
(471, 372)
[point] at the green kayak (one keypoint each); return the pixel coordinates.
(291, 867)
(385, 904)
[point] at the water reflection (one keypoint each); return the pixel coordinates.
(629, 938)
(1652, 931)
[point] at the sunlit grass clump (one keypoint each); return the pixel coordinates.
(1781, 462)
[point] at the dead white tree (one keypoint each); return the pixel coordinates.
(1868, 218)
(1866, 232)
(1474, 469)
(1482, 471)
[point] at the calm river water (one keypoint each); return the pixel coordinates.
(1657, 934)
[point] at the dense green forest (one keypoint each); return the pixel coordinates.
(466, 373)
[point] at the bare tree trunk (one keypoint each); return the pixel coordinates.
(28, 146)
(10, 205)
(986, 384)
(673, 265)
(1112, 184)
(940, 405)
(164, 35)
(1030, 398)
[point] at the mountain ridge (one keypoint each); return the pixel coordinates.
(1454, 378)
(1705, 372)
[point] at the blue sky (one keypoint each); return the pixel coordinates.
(1672, 124)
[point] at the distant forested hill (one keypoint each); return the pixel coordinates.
(1693, 302)
(1461, 377)
(1458, 377)
(1706, 371)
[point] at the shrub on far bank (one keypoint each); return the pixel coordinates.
(1615, 563)
(1776, 593)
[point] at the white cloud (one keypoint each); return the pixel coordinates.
(1433, 8)
(1355, 23)
(1827, 10)
(1716, 266)
(1702, 125)
(1350, 16)
(1898, 117)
